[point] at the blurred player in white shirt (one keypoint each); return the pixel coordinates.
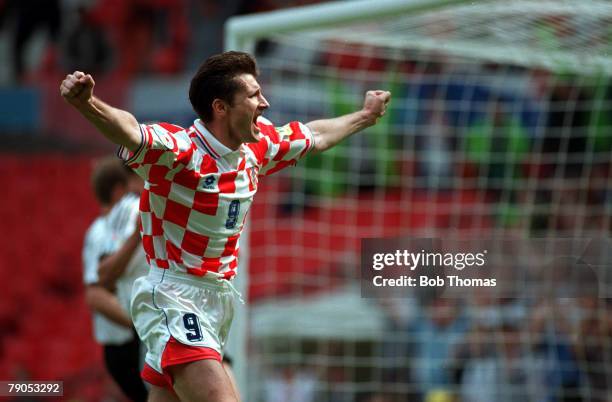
(113, 328)
(128, 262)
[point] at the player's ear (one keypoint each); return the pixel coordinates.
(219, 107)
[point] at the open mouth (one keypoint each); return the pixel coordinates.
(254, 124)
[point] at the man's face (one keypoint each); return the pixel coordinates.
(248, 104)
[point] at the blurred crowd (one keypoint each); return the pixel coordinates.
(117, 37)
(485, 349)
(475, 349)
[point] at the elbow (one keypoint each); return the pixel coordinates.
(135, 139)
(132, 137)
(92, 297)
(320, 143)
(127, 133)
(88, 298)
(105, 269)
(105, 282)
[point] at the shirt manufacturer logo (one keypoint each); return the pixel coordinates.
(209, 182)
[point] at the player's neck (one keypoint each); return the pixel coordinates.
(220, 130)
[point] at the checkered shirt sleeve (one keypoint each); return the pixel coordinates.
(163, 146)
(281, 146)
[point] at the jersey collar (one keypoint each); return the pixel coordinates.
(208, 141)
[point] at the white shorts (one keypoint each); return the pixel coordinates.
(180, 319)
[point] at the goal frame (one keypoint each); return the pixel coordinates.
(242, 32)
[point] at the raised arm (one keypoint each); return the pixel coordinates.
(329, 132)
(117, 125)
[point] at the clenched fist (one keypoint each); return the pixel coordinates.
(375, 103)
(77, 88)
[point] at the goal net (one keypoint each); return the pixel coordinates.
(499, 127)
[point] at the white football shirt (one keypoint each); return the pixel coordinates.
(121, 223)
(96, 245)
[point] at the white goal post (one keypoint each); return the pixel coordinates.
(241, 32)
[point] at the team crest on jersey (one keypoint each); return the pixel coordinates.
(209, 182)
(284, 131)
(165, 138)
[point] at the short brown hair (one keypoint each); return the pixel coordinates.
(216, 79)
(107, 173)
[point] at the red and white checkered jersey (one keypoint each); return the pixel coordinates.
(198, 191)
